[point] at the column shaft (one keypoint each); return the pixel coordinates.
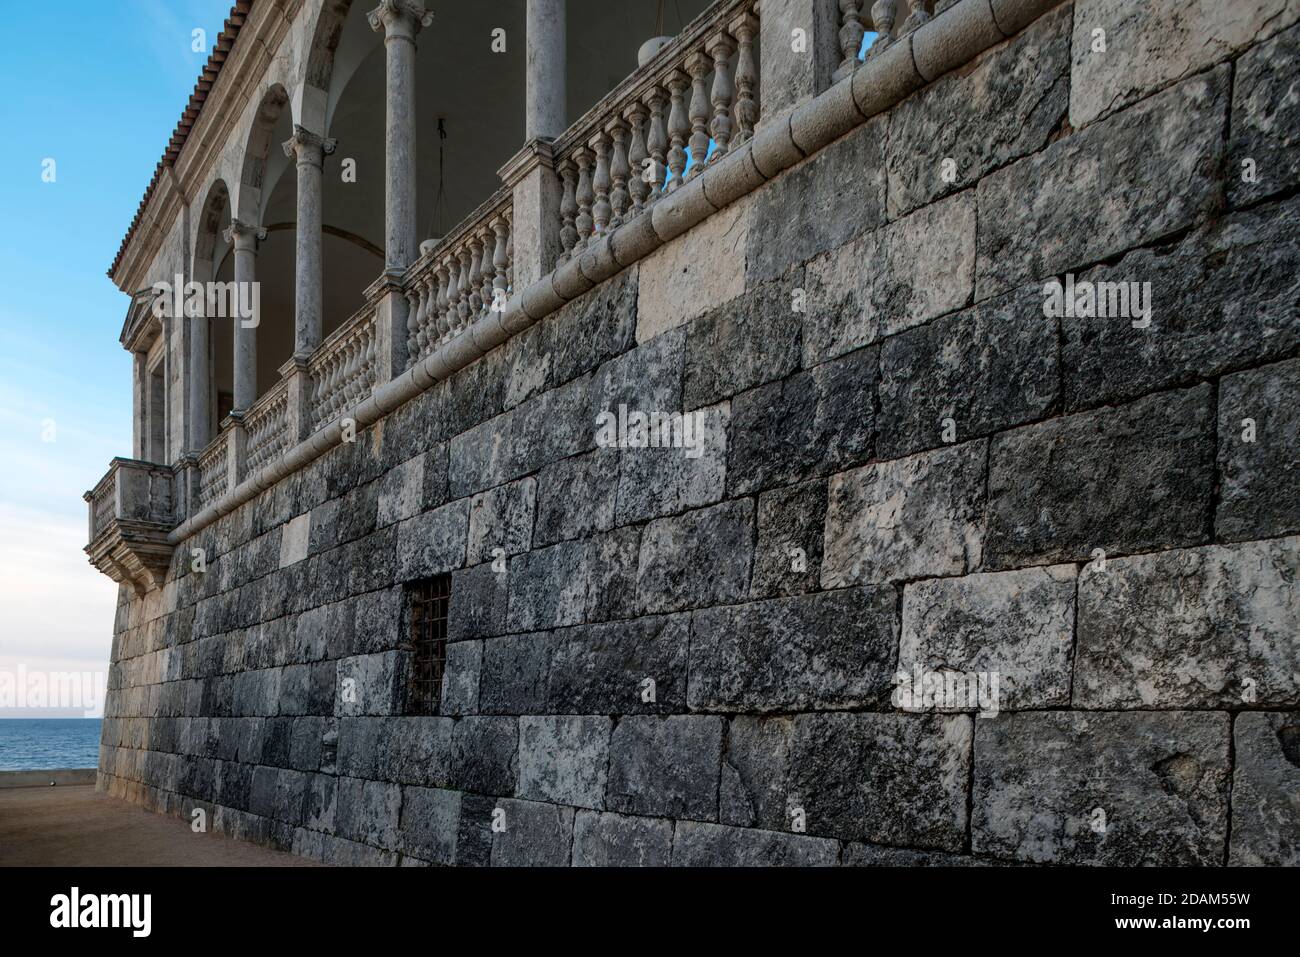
(244, 238)
(309, 150)
(545, 88)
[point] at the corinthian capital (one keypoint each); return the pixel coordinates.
(399, 18)
(307, 147)
(242, 235)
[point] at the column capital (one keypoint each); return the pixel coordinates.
(308, 147)
(243, 235)
(399, 18)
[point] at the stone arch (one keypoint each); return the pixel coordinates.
(214, 216)
(258, 151)
(312, 106)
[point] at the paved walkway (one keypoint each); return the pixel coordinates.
(75, 826)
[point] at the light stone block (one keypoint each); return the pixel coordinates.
(294, 540)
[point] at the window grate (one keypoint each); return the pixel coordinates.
(429, 600)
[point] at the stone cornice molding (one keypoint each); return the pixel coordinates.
(536, 152)
(399, 19)
(308, 147)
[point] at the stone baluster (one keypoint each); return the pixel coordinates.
(679, 126)
(918, 16)
(638, 188)
(583, 221)
(883, 15)
(698, 65)
(453, 293)
(414, 309)
(851, 33)
(500, 259)
(439, 324)
(744, 28)
(568, 210)
(721, 47)
(600, 209)
(657, 142)
(475, 277)
(618, 171)
(489, 267)
(510, 250)
(464, 301)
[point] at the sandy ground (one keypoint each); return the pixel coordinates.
(75, 826)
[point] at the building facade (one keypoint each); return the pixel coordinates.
(833, 433)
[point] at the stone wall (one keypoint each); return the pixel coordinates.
(905, 464)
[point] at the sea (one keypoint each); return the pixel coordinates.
(41, 744)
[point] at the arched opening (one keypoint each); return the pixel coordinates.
(213, 263)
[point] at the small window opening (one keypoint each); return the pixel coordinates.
(429, 599)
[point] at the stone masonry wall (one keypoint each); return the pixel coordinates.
(906, 464)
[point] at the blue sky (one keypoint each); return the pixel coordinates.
(97, 87)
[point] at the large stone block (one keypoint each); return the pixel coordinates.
(911, 518)
(460, 678)
(1208, 627)
(603, 669)
(400, 492)
(551, 427)
(1011, 103)
(482, 457)
(897, 277)
(1221, 299)
(416, 750)
(430, 820)
(753, 791)
(1259, 453)
(788, 556)
(563, 759)
(696, 559)
(615, 840)
(828, 650)
(813, 423)
(479, 601)
(433, 543)
(576, 496)
(646, 379)
(886, 778)
(987, 368)
(665, 767)
(368, 811)
(1152, 43)
(1135, 178)
(818, 189)
(1115, 789)
(1014, 627)
(513, 675)
(714, 845)
(1125, 479)
(611, 573)
(502, 518)
(750, 340)
(687, 469)
(548, 588)
(1264, 153)
(534, 835)
(484, 756)
(693, 273)
(1266, 791)
(370, 684)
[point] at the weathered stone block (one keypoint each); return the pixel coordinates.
(576, 496)
(502, 518)
(478, 604)
(813, 423)
(1012, 102)
(416, 750)
(611, 573)
(986, 368)
(884, 778)
(548, 588)
(897, 277)
(460, 678)
(788, 556)
(1259, 453)
(535, 835)
(294, 539)
(1125, 479)
(1221, 299)
(646, 379)
(551, 427)
(1205, 627)
(370, 684)
(1017, 626)
(696, 559)
(666, 767)
(713, 845)
(563, 759)
(1266, 791)
(603, 669)
(368, 811)
(911, 518)
(1265, 120)
(750, 340)
(1152, 43)
(434, 542)
(871, 855)
(688, 469)
(601, 839)
(1115, 789)
(1134, 178)
(514, 669)
(482, 457)
(484, 755)
(829, 650)
(430, 821)
(817, 187)
(755, 764)
(694, 273)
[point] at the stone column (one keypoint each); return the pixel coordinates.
(309, 151)
(243, 237)
(139, 406)
(200, 389)
(545, 89)
(400, 21)
(530, 176)
(792, 76)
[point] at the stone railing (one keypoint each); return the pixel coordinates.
(460, 277)
(343, 369)
(695, 100)
(267, 423)
(131, 510)
(882, 18)
(213, 470)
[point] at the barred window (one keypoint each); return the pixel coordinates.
(428, 600)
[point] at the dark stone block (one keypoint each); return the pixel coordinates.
(548, 588)
(666, 767)
(576, 497)
(477, 608)
(1259, 494)
(513, 675)
(1266, 119)
(788, 557)
(484, 755)
(602, 669)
